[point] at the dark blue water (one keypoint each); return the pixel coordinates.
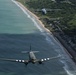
(11, 46)
(17, 33)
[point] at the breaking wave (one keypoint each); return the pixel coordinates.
(29, 16)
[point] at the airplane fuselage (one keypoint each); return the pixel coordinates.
(32, 57)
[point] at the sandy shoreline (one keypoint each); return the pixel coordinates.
(36, 17)
(47, 30)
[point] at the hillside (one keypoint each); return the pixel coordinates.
(65, 10)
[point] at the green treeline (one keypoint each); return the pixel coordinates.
(67, 12)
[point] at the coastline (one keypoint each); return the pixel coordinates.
(60, 40)
(35, 16)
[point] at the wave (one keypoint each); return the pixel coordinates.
(49, 40)
(67, 69)
(28, 15)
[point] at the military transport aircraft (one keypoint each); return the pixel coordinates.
(32, 58)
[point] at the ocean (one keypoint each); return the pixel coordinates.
(19, 30)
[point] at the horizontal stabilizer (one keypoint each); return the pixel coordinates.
(35, 51)
(30, 51)
(25, 51)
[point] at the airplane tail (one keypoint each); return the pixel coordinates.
(35, 51)
(25, 51)
(30, 51)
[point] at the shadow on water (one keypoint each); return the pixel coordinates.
(11, 46)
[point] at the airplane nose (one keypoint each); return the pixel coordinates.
(33, 62)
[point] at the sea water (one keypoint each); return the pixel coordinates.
(19, 30)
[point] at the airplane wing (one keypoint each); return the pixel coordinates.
(47, 59)
(15, 60)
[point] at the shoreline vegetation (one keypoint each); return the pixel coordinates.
(37, 18)
(53, 25)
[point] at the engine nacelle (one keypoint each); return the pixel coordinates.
(26, 63)
(40, 62)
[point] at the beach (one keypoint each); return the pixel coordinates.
(33, 15)
(19, 29)
(47, 30)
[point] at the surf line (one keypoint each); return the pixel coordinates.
(33, 18)
(29, 15)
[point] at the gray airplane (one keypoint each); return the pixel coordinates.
(32, 58)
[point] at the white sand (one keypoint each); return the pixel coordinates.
(36, 17)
